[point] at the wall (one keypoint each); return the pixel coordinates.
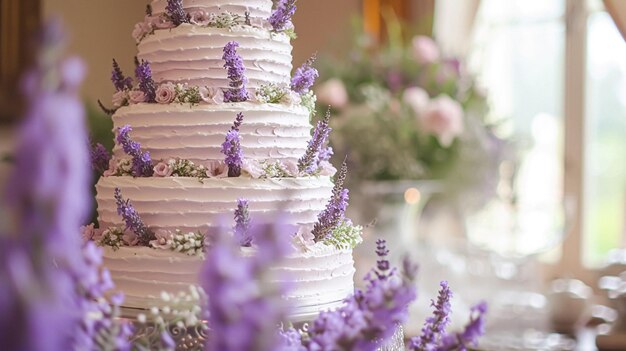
(101, 30)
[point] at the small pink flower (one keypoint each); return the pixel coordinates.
(304, 237)
(87, 232)
(130, 238)
(327, 169)
(112, 168)
(443, 118)
(136, 96)
(162, 170)
(291, 167)
(141, 30)
(166, 93)
(162, 237)
(417, 98)
(120, 98)
(199, 17)
(217, 169)
(211, 95)
(333, 92)
(425, 50)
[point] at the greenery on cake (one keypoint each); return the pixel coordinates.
(345, 236)
(271, 93)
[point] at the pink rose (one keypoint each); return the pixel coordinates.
(304, 237)
(211, 95)
(217, 169)
(136, 96)
(199, 17)
(162, 237)
(120, 98)
(332, 92)
(443, 117)
(166, 93)
(141, 30)
(87, 232)
(417, 98)
(112, 169)
(130, 238)
(425, 50)
(291, 167)
(162, 170)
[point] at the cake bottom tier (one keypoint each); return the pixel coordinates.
(320, 277)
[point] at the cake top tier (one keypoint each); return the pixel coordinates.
(256, 8)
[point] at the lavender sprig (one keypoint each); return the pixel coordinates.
(304, 77)
(119, 80)
(176, 12)
(473, 330)
(309, 162)
(100, 158)
(281, 16)
(242, 223)
(435, 327)
(334, 213)
(236, 74)
(133, 220)
(142, 164)
(231, 148)
(143, 73)
(106, 110)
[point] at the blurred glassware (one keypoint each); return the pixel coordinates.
(569, 303)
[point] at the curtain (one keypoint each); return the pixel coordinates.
(454, 23)
(617, 10)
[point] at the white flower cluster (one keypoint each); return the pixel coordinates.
(112, 237)
(190, 243)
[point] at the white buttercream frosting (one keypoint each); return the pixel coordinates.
(257, 8)
(189, 204)
(193, 54)
(196, 133)
(320, 276)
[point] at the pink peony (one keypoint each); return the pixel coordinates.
(332, 92)
(417, 98)
(87, 232)
(166, 93)
(136, 96)
(120, 98)
(199, 17)
(425, 50)
(130, 238)
(162, 170)
(217, 169)
(211, 95)
(443, 117)
(112, 169)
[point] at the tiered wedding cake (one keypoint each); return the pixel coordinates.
(214, 123)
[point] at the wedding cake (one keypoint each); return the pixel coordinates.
(215, 127)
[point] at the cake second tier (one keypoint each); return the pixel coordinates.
(196, 133)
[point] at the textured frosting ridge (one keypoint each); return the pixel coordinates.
(257, 8)
(193, 54)
(322, 275)
(269, 131)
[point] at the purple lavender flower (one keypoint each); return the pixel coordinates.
(119, 81)
(435, 327)
(142, 164)
(244, 309)
(176, 12)
(143, 73)
(334, 213)
(281, 16)
(236, 74)
(133, 220)
(473, 330)
(242, 223)
(309, 162)
(291, 340)
(231, 148)
(100, 157)
(304, 77)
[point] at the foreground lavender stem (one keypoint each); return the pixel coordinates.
(100, 157)
(236, 74)
(435, 327)
(473, 330)
(133, 220)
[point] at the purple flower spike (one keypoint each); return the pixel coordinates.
(473, 330)
(236, 74)
(335, 210)
(119, 81)
(231, 148)
(142, 164)
(435, 327)
(238, 122)
(281, 17)
(242, 223)
(100, 157)
(133, 220)
(304, 77)
(143, 72)
(176, 12)
(309, 162)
